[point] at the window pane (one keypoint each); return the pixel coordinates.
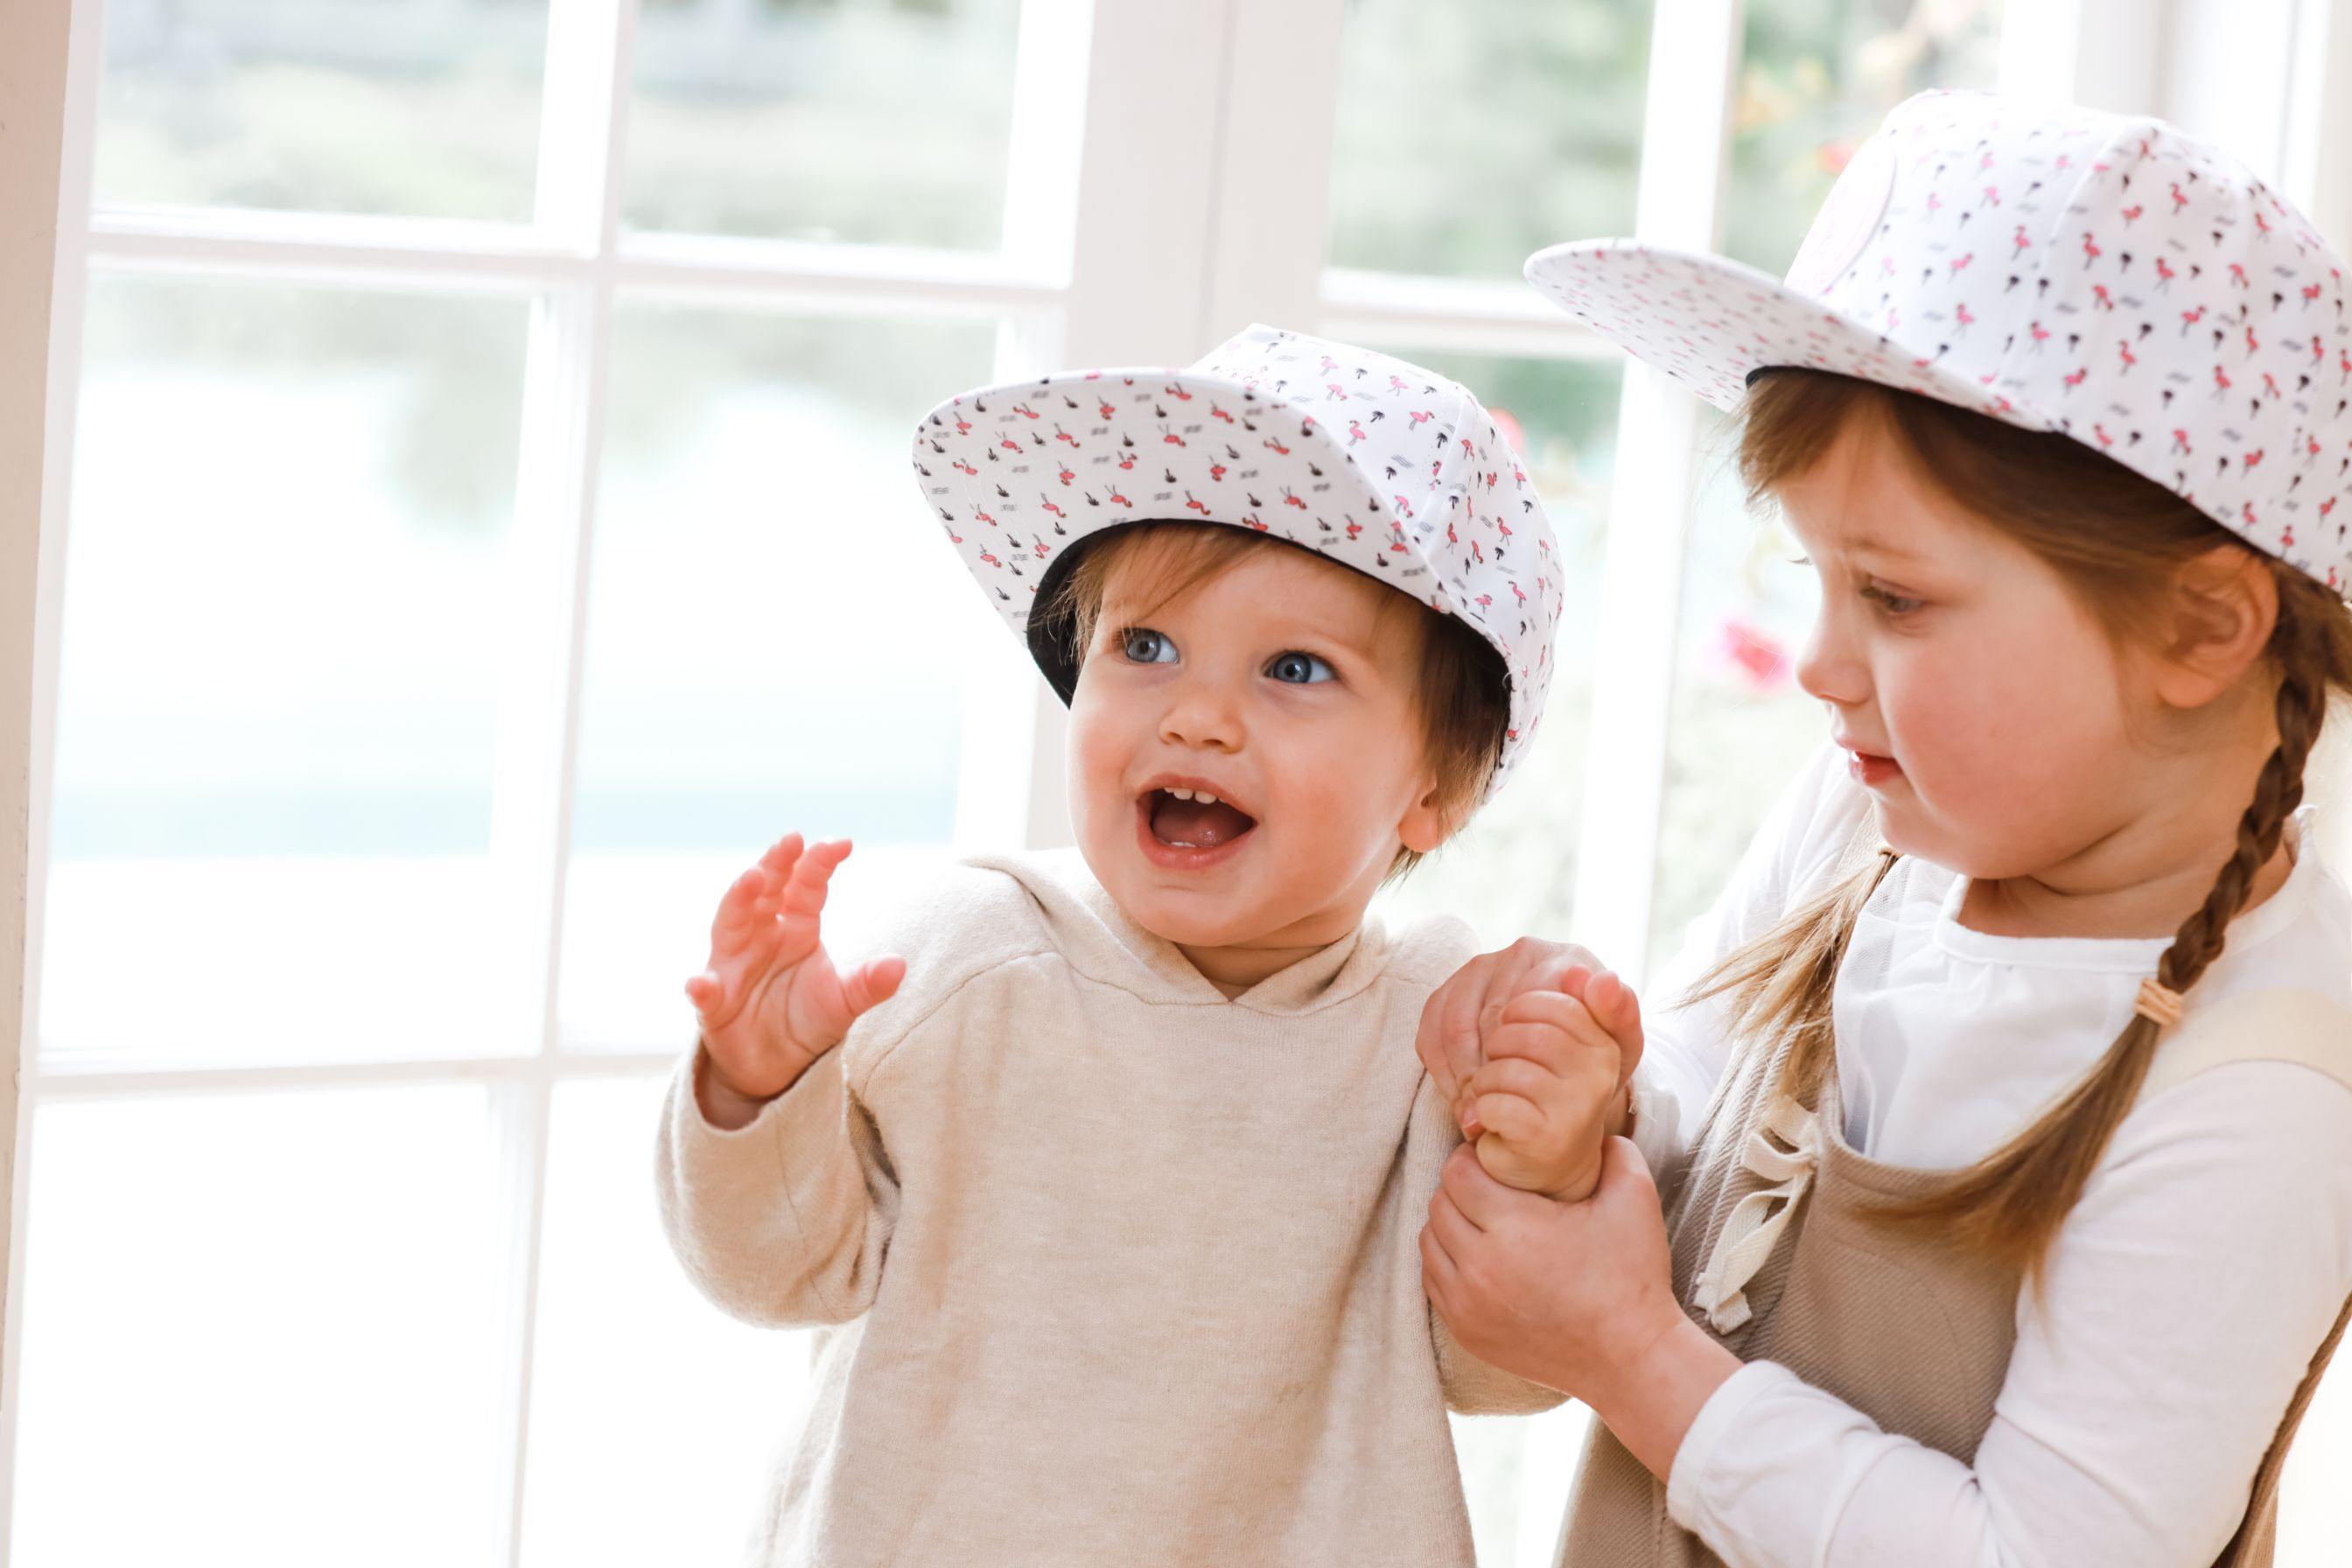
(1513, 869)
(779, 637)
(658, 1454)
(823, 119)
(262, 1329)
(1472, 133)
(1740, 727)
(422, 108)
(277, 716)
(1817, 77)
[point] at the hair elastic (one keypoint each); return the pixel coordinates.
(2159, 1002)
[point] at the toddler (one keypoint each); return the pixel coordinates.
(1112, 1172)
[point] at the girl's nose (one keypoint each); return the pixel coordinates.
(1830, 667)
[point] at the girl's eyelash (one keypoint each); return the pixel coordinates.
(1893, 604)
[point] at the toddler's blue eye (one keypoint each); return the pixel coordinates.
(1299, 668)
(1143, 646)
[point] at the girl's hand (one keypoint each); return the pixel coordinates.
(1577, 1296)
(771, 1001)
(1552, 1086)
(1468, 1006)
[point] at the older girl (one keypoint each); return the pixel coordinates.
(2005, 1137)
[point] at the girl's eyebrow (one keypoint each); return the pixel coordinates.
(1868, 545)
(1865, 544)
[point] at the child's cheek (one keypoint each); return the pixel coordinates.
(1097, 756)
(1337, 783)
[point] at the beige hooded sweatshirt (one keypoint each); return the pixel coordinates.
(1122, 1270)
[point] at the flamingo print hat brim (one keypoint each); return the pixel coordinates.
(2108, 276)
(1373, 462)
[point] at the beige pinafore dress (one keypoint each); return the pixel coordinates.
(1912, 1333)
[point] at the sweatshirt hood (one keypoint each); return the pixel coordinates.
(1105, 943)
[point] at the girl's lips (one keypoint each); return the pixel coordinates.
(1179, 857)
(1871, 771)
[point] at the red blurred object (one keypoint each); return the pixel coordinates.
(1754, 653)
(1511, 431)
(1835, 155)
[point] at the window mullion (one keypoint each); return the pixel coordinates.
(1685, 140)
(1270, 197)
(2042, 54)
(579, 200)
(2319, 117)
(1147, 188)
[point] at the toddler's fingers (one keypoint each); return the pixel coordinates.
(1579, 1017)
(1619, 1008)
(775, 867)
(739, 908)
(703, 991)
(1511, 1119)
(1613, 1003)
(1557, 1031)
(804, 895)
(1517, 1077)
(874, 980)
(782, 856)
(1519, 1101)
(1624, 1018)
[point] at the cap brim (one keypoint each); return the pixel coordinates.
(1255, 461)
(1712, 322)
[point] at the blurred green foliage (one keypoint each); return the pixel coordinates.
(1472, 133)
(456, 362)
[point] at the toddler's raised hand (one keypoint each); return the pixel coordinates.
(771, 1001)
(1548, 1093)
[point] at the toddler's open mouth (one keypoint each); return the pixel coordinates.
(1189, 823)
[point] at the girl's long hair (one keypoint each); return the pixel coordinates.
(2116, 538)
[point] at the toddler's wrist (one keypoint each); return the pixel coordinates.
(723, 1104)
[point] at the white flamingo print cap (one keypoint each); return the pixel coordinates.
(2105, 276)
(1376, 463)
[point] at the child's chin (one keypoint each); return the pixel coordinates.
(1189, 919)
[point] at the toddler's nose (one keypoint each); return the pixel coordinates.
(1202, 715)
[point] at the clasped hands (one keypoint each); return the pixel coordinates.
(1534, 1048)
(1544, 1250)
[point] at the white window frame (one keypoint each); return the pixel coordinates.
(1126, 245)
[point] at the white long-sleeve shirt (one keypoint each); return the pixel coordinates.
(2207, 1258)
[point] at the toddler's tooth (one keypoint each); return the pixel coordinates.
(1181, 793)
(1205, 798)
